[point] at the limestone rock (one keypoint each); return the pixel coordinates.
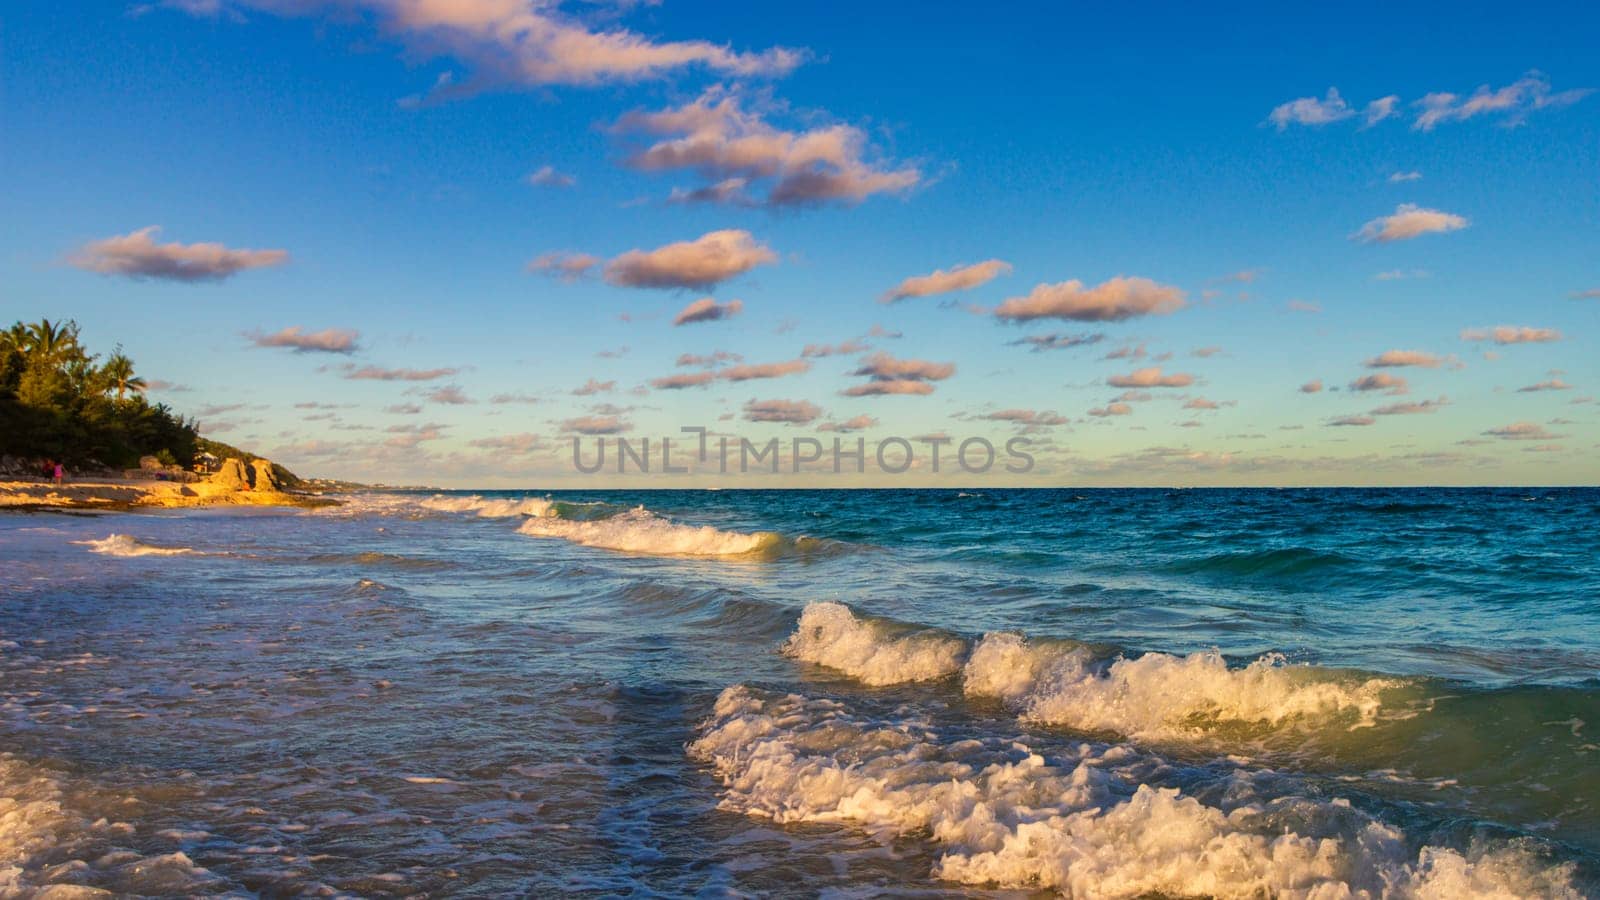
(231, 475)
(150, 463)
(264, 478)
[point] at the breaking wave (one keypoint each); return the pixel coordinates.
(639, 530)
(998, 812)
(1155, 696)
(491, 508)
(128, 545)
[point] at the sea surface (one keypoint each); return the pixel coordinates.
(920, 693)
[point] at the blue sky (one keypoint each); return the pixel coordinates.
(385, 147)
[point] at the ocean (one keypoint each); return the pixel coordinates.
(988, 693)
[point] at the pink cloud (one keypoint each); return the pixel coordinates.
(701, 263)
(1113, 300)
(790, 412)
(137, 255)
(1150, 377)
(748, 372)
(328, 340)
(1398, 358)
(707, 309)
(1409, 221)
(1381, 381)
(1511, 334)
(943, 281)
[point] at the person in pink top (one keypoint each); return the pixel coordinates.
(60, 473)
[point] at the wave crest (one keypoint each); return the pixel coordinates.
(1003, 814)
(1154, 696)
(491, 508)
(128, 545)
(830, 634)
(639, 530)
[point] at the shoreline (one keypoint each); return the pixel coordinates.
(125, 494)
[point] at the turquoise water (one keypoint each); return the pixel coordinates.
(1099, 693)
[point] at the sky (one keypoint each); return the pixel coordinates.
(440, 242)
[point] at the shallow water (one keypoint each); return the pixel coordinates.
(1107, 693)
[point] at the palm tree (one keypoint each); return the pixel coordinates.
(118, 370)
(52, 341)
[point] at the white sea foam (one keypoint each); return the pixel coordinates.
(830, 634)
(999, 813)
(56, 840)
(639, 530)
(1156, 696)
(1160, 695)
(128, 545)
(490, 507)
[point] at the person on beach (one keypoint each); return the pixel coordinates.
(60, 473)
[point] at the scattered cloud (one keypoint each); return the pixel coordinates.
(565, 266)
(1205, 352)
(506, 42)
(1511, 334)
(889, 375)
(403, 409)
(1403, 177)
(731, 146)
(751, 371)
(137, 255)
(789, 412)
(1411, 409)
(1409, 221)
(1303, 306)
(1347, 421)
(593, 386)
(595, 425)
(328, 340)
(1113, 300)
(1400, 274)
(1111, 409)
(943, 281)
(547, 176)
(709, 360)
(683, 380)
(847, 348)
(378, 373)
(698, 264)
(1150, 377)
(1381, 381)
(1398, 358)
(1589, 294)
(1554, 384)
(1201, 403)
(1029, 418)
(1512, 103)
(1311, 111)
(449, 395)
(707, 309)
(502, 399)
(1053, 341)
(1522, 431)
(858, 423)
(520, 444)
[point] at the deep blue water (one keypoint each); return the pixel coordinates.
(1226, 692)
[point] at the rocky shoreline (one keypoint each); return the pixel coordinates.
(234, 484)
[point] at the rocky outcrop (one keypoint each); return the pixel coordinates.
(264, 478)
(231, 475)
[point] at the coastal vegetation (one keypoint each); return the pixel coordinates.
(60, 402)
